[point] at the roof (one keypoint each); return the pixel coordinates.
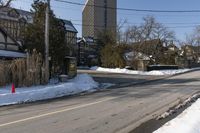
(69, 26)
(149, 42)
(136, 55)
(12, 54)
(28, 16)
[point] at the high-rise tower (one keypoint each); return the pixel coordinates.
(99, 15)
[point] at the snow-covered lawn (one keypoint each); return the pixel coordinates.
(79, 84)
(187, 122)
(126, 71)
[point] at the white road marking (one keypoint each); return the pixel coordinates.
(56, 112)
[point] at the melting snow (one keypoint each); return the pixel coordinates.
(126, 71)
(80, 84)
(187, 122)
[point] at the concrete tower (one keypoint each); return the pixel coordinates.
(99, 15)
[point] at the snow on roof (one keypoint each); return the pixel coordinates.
(69, 26)
(138, 55)
(26, 15)
(12, 54)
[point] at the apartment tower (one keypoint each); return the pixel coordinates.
(97, 16)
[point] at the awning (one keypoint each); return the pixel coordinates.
(11, 54)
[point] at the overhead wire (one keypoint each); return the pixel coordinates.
(131, 9)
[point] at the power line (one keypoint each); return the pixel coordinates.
(171, 23)
(132, 9)
(99, 26)
(193, 23)
(136, 14)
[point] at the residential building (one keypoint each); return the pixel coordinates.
(70, 37)
(87, 52)
(9, 48)
(14, 21)
(97, 16)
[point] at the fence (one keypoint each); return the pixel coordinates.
(23, 72)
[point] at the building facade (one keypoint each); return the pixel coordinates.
(9, 48)
(97, 16)
(13, 23)
(70, 37)
(87, 52)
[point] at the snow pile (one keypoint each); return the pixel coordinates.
(79, 84)
(184, 104)
(187, 122)
(126, 71)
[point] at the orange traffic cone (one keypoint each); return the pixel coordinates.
(13, 88)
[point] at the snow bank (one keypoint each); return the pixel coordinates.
(187, 122)
(126, 71)
(80, 84)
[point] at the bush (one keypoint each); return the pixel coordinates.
(112, 57)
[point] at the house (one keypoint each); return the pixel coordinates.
(152, 48)
(9, 48)
(172, 47)
(70, 37)
(137, 60)
(189, 56)
(14, 21)
(87, 52)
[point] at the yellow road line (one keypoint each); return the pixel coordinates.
(55, 112)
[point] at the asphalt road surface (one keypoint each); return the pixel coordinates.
(108, 111)
(120, 80)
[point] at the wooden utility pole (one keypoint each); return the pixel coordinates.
(47, 42)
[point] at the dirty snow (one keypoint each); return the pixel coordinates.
(126, 71)
(187, 102)
(187, 122)
(79, 84)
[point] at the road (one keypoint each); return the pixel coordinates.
(119, 80)
(116, 110)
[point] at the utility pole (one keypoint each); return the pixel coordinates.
(47, 42)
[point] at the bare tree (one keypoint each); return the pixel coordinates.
(193, 39)
(150, 29)
(5, 3)
(120, 25)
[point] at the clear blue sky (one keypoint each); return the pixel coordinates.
(181, 23)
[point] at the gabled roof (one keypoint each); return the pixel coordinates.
(28, 16)
(149, 42)
(69, 26)
(4, 13)
(136, 55)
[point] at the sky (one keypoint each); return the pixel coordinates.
(180, 23)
